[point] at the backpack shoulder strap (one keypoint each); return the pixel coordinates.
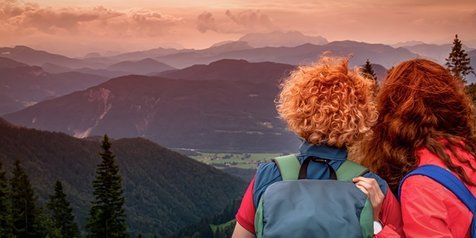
(448, 180)
(349, 170)
(346, 172)
(288, 166)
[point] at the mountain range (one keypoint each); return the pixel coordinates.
(22, 85)
(358, 52)
(227, 105)
(235, 95)
(164, 191)
(245, 48)
(300, 54)
(34, 57)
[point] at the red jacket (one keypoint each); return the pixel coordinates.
(429, 209)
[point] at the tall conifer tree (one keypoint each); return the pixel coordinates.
(458, 61)
(62, 214)
(368, 71)
(107, 216)
(24, 211)
(6, 230)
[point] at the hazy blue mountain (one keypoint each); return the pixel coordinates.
(55, 69)
(358, 52)
(22, 85)
(141, 67)
(132, 56)
(232, 70)
(434, 52)
(38, 57)
(101, 72)
(407, 43)
(6, 63)
(280, 38)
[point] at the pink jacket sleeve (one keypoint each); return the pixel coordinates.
(246, 213)
(391, 218)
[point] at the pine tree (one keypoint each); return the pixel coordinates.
(47, 224)
(62, 213)
(368, 71)
(24, 210)
(107, 216)
(6, 229)
(458, 61)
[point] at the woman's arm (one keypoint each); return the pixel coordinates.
(386, 207)
(241, 232)
(245, 216)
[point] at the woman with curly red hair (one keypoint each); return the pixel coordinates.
(425, 118)
(330, 108)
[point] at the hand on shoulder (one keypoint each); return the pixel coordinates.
(371, 188)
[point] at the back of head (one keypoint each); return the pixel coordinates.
(326, 103)
(419, 104)
(422, 93)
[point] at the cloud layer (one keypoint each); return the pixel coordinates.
(101, 21)
(148, 24)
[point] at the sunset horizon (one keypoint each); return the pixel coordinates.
(76, 28)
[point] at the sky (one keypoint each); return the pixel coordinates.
(79, 27)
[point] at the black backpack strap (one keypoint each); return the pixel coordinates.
(305, 164)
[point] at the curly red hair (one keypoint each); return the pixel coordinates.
(327, 103)
(420, 105)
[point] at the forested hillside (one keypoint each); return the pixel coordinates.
(164, 190)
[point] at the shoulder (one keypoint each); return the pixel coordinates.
(266, 174)
(468, 163)
(420, 187)
(419, 193)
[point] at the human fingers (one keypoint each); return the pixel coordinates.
(370, 184)
(362, 188)
(373, 192)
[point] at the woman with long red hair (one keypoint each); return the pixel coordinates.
(425, 118)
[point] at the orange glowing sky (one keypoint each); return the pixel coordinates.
(78, 27)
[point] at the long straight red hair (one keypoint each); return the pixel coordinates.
(420, 104)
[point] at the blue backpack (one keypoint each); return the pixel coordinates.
(300, 207)
(449, 181)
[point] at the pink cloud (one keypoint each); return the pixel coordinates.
(239, 22)
(253, 20)
(96, 21)
(206, 22)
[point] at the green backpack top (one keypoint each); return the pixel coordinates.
(299, 207)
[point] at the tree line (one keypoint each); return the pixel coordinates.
(22, 217)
